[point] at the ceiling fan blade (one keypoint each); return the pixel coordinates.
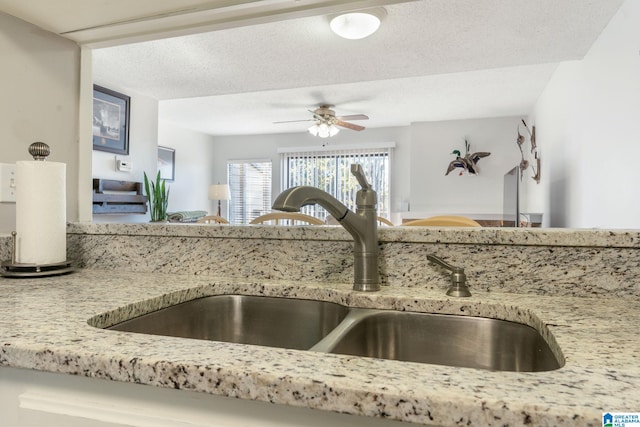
(354, 117)
(348, 125)
(293, 121)
(326, 115)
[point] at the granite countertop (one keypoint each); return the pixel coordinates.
(43, 326)
(480, 235)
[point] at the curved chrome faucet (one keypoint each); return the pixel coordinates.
(363, 224)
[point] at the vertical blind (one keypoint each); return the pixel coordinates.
(250, 185)
(330, 170)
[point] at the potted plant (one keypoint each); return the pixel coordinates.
(158, 198)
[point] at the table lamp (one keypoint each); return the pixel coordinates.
(219, 192)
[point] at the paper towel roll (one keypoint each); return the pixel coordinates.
(41, 212)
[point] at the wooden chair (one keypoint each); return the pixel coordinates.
(381, 221)
(445, 221)
(384, 221)
(287, 218)
(212, 219)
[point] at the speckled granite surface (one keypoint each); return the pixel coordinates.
(483, 235)
(43, 325)
(546, 278)
(536, 261)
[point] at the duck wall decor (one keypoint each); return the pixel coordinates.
(524, 163)
(467, 163)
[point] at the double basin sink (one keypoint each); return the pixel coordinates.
(462, 341)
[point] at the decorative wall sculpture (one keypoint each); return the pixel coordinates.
(524, 163)
(468, 162)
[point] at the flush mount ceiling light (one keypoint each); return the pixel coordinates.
(357, 25)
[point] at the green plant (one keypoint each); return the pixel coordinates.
(158, 198)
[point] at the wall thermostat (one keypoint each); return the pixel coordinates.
(123, 166)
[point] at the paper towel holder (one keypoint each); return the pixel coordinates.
(40, 151)
(16, 269)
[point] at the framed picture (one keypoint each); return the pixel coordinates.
(110, 120)
(167, 163)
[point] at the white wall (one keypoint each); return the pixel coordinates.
(555, 116)
(587, 138)
(39, 83)
(194, 168)
(266, 147)
(143, 144)
(586, 123)
(588, 119)
(434, 193)
(420, 160)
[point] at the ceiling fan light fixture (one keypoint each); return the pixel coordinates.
(314, 129)
(323, 130)
(357, 25)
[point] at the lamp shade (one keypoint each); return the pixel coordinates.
(323, 130)
(314, 129)
(219, 192)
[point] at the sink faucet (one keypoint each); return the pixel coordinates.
(363, 224)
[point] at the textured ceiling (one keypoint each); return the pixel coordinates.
(430, 60)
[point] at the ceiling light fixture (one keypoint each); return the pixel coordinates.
(323, 129)
(357, 25)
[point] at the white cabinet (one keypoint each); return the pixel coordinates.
(35, 399)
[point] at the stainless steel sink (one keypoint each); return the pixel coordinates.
(462, 341)
(274, 322)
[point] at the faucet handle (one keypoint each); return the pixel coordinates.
(356, 170)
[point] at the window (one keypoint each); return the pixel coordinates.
(331, 172)
(250, 185)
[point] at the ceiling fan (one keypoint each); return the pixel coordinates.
(326, 121)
